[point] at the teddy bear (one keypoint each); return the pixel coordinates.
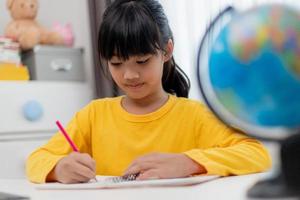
(27, 31)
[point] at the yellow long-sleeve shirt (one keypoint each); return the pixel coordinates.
(114, 138)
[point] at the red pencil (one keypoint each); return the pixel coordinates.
(61, 128)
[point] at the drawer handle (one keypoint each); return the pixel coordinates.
(61, 65)
(33, 110)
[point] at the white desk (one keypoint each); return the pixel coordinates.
(231, 188)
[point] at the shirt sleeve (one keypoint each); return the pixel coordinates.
(44, 159)
(224, 151)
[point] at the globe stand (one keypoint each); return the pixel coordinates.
(287, 183)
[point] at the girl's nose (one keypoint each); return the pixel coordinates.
(131, 74)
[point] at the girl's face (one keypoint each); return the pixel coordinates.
(139, 76)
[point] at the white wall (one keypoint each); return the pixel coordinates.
(4, 17)
(63, 11)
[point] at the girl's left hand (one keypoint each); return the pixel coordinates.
(164, 165)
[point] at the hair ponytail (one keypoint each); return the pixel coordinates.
(174, 80)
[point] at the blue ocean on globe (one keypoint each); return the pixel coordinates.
(254, 66)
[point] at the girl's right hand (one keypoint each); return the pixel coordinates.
(74, 168)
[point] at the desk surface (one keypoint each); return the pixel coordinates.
(231, 188)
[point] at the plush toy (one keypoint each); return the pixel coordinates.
(66, 31)
(28, 32)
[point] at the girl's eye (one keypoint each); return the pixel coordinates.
(115, 63)
(142, 61)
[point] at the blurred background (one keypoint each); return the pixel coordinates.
(49, 82)
(188, 27)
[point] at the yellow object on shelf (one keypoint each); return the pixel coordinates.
(13, 72)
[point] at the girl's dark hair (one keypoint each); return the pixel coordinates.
(137, 27)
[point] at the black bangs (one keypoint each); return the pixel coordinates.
(128, 29)
(140, 27)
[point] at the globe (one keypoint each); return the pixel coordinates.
(248, 72)
(252, 79)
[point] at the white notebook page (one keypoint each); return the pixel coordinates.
(106, 182)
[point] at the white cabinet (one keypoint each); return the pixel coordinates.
(13, 155)
(56, 100)
(28, 111)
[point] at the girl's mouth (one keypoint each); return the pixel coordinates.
(135, 86)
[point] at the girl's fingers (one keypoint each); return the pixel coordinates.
(73, 177)
(81, 178)
(139, 167)
(149, 158)
(149, 174)
(83, 171)
(78, 178)
(86, 160)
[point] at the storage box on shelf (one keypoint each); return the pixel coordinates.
(55, 63)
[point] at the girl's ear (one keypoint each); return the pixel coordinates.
(169, 51)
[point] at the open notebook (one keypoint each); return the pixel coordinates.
(117, 182)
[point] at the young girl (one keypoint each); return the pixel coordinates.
(153, 130)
